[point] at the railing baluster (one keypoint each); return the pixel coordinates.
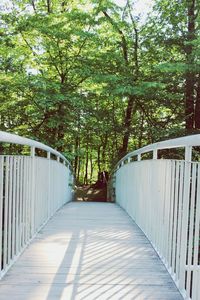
(17, 205)
(177, 274)
(166, 206)
(5, 228)
(14, 209)
(1, 208)
(10, 198)
(195, 287)
(29, 195)
(185, 212)
(21, 203)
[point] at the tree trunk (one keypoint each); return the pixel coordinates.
(141, 132)
(197, 106)
(79, 170)
(99, 158)
(76, 155)
(33, 5)
(127, 126)
(190, 76)
(114, 138)
(91, 167)
(104, 146)
(86, 166)
(49, 6)
(126, 57)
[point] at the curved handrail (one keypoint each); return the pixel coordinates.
(16, 139)
(186, 142)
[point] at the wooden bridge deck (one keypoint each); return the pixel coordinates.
(89, 251)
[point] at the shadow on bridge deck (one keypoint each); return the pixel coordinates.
(89, 251)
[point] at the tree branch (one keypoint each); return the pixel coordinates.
(33, 5)
(136, 41)
(124, 43)
(29, 46)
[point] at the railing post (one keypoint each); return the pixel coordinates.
(49, 185)
(32, 151)
(188, 153)
(139, 157)
(185, 211)
(33, 192)
(155, 154)
(1, 208)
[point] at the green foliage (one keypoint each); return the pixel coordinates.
(69, 71)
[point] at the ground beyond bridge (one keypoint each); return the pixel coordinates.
(89, 251)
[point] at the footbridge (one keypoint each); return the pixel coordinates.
(144, 243)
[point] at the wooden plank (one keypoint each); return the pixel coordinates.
(92, 292)
(102, 256)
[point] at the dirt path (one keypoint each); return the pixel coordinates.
(89, 193)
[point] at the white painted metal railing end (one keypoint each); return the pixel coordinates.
(163, 198)
(32, 188)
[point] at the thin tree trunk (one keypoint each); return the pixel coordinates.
(197, 107)
(91, 167)
(104, 146)
(86, 166)
(49, 6)
(190, 76)
(99, 158)
(79, 170)
(114, 139)
(141, 132)
(60, 112)
(33, 5)
(127, 126)
(76, 154)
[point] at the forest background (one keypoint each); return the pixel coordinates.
(95, 80)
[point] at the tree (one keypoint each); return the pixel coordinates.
(93, 81)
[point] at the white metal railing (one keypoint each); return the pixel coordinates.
(32, 188)
(163, 197)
